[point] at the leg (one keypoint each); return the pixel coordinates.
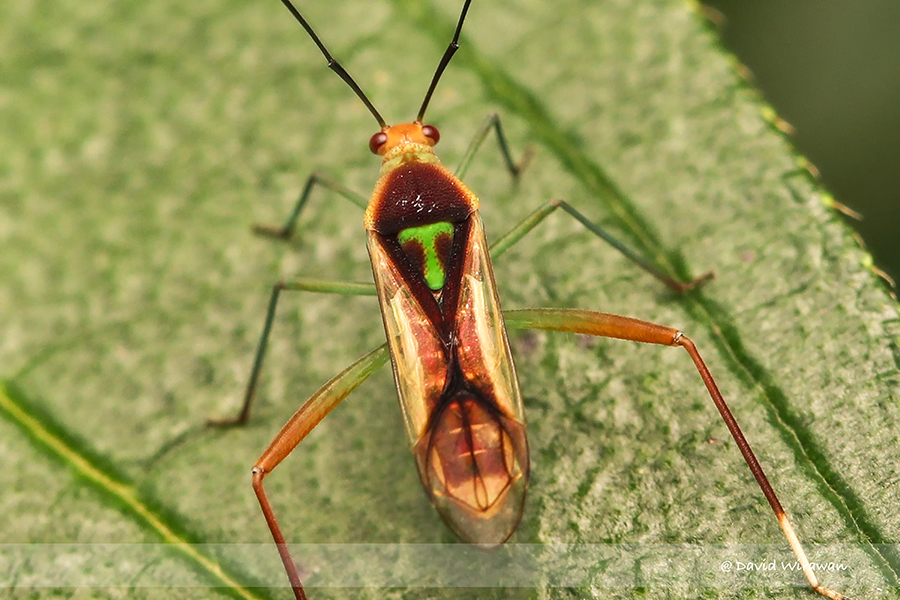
(309, 285)
(625, 328)
(303, 421)
(493, 122)
(532, 220)
(285, 231)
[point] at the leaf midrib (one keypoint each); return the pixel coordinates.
(45, 435)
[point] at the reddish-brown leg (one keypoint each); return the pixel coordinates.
(625, 328)
(297, 428)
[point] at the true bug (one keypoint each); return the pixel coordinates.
(446, 334)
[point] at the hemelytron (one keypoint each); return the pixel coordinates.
(446, 333)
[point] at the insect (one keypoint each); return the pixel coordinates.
(446, 336)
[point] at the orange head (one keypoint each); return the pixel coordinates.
(405, 138)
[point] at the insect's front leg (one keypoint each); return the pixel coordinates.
(297, 428)
(344, 288)
(515, 168)
(286, 231)
(626, 328)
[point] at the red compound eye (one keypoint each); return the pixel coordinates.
(377, 141)
(431, 132)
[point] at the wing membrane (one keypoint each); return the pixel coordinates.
(417, 353)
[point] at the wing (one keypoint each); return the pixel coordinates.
(456, 381)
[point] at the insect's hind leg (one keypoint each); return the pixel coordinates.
(531, 221)
(304, 420)
(492, 122)
(286, 231)
(307, 285)
(626, 328)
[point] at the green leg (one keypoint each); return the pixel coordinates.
(493, 122)
(308, 285)
(625, 328)
(297, 428)
(532, 220)
(286, 231)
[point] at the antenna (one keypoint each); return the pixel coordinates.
(445, 60)
(337, 68)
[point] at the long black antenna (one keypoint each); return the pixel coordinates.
(448, 54)
(336, 66)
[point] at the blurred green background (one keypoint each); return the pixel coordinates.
(831, 68)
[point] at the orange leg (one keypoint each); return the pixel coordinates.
(625, 328)
(297, 428)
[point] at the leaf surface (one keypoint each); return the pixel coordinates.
(142, 140)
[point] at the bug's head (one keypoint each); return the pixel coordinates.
(405, 138)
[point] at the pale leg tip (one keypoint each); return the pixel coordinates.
(829, 593)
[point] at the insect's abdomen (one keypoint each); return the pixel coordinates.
(473, 462)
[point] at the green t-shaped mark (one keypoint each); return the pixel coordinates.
(427, 237)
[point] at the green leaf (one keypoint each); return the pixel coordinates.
(141, 141)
